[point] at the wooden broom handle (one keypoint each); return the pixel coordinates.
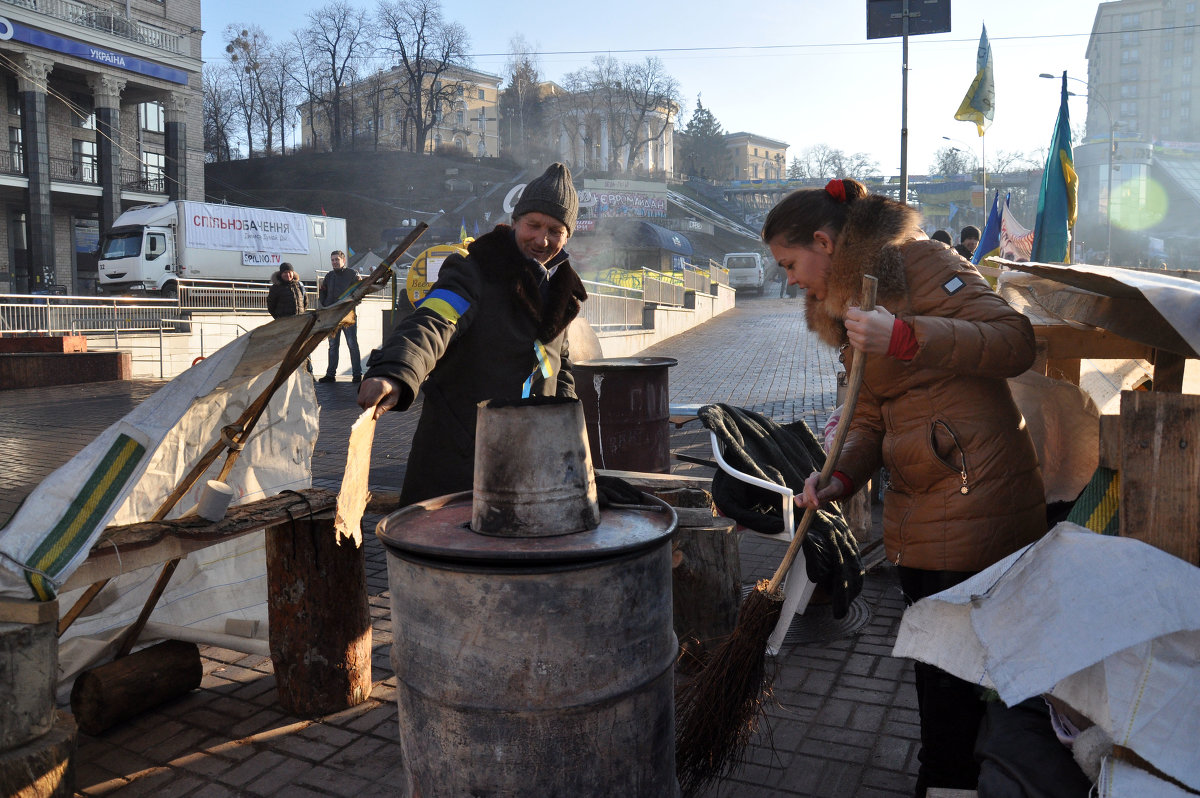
(867, 302)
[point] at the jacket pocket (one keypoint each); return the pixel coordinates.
(949, 452)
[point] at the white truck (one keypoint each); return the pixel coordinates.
(150, 247)
(746, 271)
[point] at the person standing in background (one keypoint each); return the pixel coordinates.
(286, 296)
(334, 286)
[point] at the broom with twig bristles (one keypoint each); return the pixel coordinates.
(717, 712)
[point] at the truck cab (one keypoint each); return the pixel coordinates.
(136, 258)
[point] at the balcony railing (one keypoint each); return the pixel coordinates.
(72, 171)
(109, 19)
(12, 163)
(135, 180)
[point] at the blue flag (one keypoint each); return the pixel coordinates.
(1057, 206)
(989, 241)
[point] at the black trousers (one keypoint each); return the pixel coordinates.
(951, 709)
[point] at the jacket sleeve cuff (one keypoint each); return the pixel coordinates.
(847, 483)
(903, 345)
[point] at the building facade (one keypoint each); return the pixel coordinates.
(376, 116)
(756, 157)
(102, 108)
(613, 139)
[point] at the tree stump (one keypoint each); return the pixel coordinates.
(706, 576)
(320, 622)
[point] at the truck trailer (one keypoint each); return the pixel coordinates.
(151, 247)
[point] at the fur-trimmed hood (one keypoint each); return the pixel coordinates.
(501, 259)
(870, 242)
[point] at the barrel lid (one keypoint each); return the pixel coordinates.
(626, 362)
(441, 528)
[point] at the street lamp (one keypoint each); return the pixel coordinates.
(1112, 130)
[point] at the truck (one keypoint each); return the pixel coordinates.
(151, 247)
(745, 270)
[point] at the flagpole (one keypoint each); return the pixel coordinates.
(904, 106)
(983, 165)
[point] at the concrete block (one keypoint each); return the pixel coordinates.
(59, 344)
(28, 666)
(40, 370)
(42, 768)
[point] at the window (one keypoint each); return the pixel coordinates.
(460, 118)
(154, 172)
(16, 150)
(1187, 44)
(482, 94)
(152, 117)
(1129, 73)
(1129, 39)
(461, 90)
(1128, 109)
(1129, 57)
(82, 111)
(1166, 112)
(84, 163)
(1167, 45)
(1185, 113)
(318, 228)
(1129, 90)
(14, 96)
(1166, 62)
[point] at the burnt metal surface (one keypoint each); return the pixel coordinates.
(626, 362)
(440, 528)
(626, 402)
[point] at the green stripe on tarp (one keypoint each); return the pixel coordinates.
(90, 505)
(1097, 508)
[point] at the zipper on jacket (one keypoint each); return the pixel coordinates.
(965, 487)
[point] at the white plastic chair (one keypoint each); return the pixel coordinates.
(797, 588)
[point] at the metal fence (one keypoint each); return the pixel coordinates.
(611, 307)
(664, 289)
(718, 273)
(60, 315)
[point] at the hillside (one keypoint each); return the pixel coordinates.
(378, 192)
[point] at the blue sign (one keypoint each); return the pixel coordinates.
(48, 41)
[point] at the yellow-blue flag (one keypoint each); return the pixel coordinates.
(989, 240)
(979, 106)
(1058, 201)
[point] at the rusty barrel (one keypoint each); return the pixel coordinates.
(626, 403)
(532, 666)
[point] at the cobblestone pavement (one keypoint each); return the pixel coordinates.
(842, 721)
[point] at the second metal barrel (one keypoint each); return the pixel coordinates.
(626, 404)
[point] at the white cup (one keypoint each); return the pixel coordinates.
(214, 500)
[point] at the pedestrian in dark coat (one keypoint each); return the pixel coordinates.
(494, 322)
(964, 485)
(286, 295)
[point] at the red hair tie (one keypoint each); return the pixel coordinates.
(836, 188)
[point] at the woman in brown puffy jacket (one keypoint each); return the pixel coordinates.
(964, 487)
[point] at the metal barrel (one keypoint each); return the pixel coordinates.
(533, 472)
(537, 666)
(626, 403)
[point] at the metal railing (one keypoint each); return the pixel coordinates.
(109, 18)
(611, 307)
(221, 296)
(718, 273)
(61, 315)
(136, 180)
(695, 279)
(664, 289)
(74, 171)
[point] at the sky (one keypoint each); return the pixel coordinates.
(797, 71)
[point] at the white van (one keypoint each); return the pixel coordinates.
(745, 270)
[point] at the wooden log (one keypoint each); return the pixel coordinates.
(1160, 471)
(43, 767)
(122, 689)
(319, 621)
(706, 576)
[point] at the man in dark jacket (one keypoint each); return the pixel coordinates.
(493, 327)
(286, 296)
(968, 239)
(337, 282)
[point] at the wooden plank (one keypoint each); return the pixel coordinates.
(18, 611)
(124, 548)
(1110, 442)
(1168, 371)
(1160, 471)
(1064, 342)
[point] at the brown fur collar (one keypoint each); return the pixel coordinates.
(497, 253)
(870, 243)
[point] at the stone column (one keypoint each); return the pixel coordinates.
(106, 94)
(604, 145)
(35, 136)
(176, 145)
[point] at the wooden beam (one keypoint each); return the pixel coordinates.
(1168, 371)
(1160, 471)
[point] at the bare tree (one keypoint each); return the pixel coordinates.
(279, 94)
(338, 36)
(952, 161)
(219, 112)
(633, 103)
(520, 102)
(245, 49)
(308, 79)
(426, 48)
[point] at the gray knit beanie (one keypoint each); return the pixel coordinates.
(552, 194)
